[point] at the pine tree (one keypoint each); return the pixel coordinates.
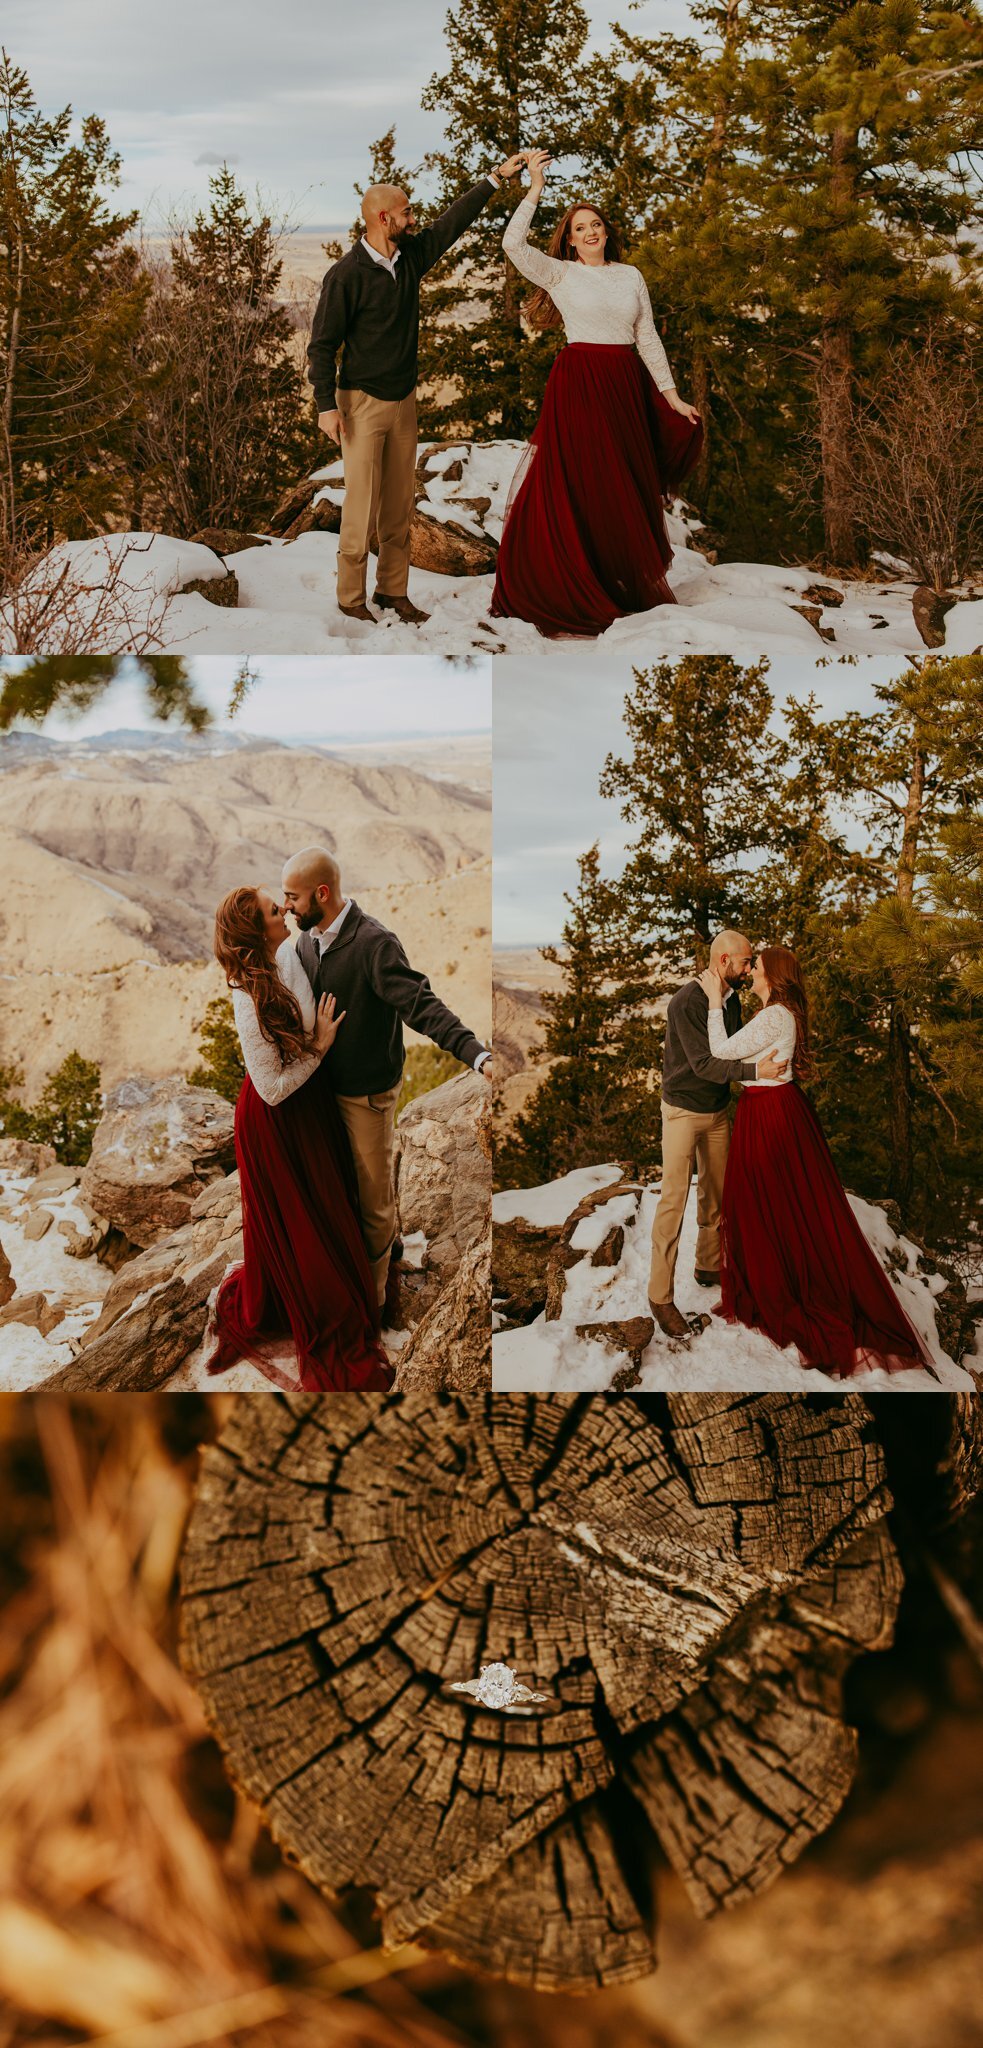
(516, 78)
(76, 682)
(699, 784)
(863, 207)
(600, 1098)
(68, 1109)
(72, 297)
(221, 1066)
(228, 419)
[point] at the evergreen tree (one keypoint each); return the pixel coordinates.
(228, 422)
(600, 1098)
(68, 1109)
(516, 77)
(700, 784)
(860, 193)
(221, 1066)
(72, 296)
(73, 683)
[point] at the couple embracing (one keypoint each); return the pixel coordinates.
(776, 1232)
(320, 1026)
(585, 539)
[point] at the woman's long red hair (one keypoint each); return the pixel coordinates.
(240, 949)
(784, 977)
(539, 308)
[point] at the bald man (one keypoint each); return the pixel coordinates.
(349, 955)
(369, 308)
(696, 1127)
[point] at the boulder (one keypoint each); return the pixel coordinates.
(146, 1344)
(35, 1310)
(822, 594)
(928, 609)
(223, 590)
(157, 1146)
(227, 540)
(442, 1168)
(144, 1275)
(8, 1286)
(55, 1180)
(156, 1300)
(813, 614)
(322, 517)
(450, 1349)
(521, 1262)
(293, 502)
(38, 1224)
(21, 1155)
(448, 549)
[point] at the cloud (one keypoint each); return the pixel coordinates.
(214, 156)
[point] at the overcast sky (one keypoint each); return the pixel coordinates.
(554, 726)
(292, 94)
(338, 699)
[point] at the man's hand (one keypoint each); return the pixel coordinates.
(512, 166)
(485, 1069)
(770, 1069)
(331, 423)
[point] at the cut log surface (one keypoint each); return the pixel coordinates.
(690, 1575)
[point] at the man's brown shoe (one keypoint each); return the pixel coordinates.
(403, 607)
(359, 611)
(670, 1319)
(707, 1276)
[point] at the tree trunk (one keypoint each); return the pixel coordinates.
(836, 378)
(900, 1059)
(689, 1575)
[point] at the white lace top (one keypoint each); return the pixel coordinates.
(270, 1078)
(604, 302)
(771, 1031)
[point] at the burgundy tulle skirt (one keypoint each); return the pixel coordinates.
(585, 538)
(794, 1260)
(305, 1273)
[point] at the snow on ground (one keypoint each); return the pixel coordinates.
(549, 1357)
(245, 1378)
(287, 602)
(44, 1267)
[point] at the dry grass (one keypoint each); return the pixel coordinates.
(140, 1903)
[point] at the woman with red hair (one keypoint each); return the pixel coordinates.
(305, 1272)
(585, 538)
(794, 1260)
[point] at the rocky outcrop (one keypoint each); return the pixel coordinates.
(7, 1283)
(156, 1311)
(158, 1144)
(443, 1170)
(21, 1155)
(446, 546)
(450, 1349)
(530, 1260)
(35, 1310)
(227, 540)
(929, 609)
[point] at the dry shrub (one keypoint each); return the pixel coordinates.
(918, 481)
(48, 607)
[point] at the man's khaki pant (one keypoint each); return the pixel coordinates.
(370, 1121)
(378, 445)
(688, 1137)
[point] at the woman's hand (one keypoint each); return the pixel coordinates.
(686, 412)
(539, 161)
(710, 984)
(326, 1025)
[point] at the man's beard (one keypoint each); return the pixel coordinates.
(738, 981)
(399, 235)
(306, 919)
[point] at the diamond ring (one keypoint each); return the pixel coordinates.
(498, 1690)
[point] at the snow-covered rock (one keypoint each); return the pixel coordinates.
(156, 1146)
(287, 601)
(585, 1334)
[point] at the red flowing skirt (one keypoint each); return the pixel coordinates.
(305, 1272)
(585, 538)
(794, 1260)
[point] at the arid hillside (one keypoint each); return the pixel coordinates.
(113, 857)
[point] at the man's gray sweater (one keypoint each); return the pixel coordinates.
(691, 1077)
(367, 971)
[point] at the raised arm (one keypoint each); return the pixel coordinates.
(647, 340)
(328, 331)
(539, 269)
(764, 1033)
(411, 996)
(433, 242)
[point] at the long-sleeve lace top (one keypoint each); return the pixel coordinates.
(270, 1078)
(772, 1030)
(606, 303)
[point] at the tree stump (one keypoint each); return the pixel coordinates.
(690, 1574)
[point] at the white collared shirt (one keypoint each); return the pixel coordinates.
(389, 262)
(327, 938)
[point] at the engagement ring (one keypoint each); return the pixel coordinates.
(498, 1690)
